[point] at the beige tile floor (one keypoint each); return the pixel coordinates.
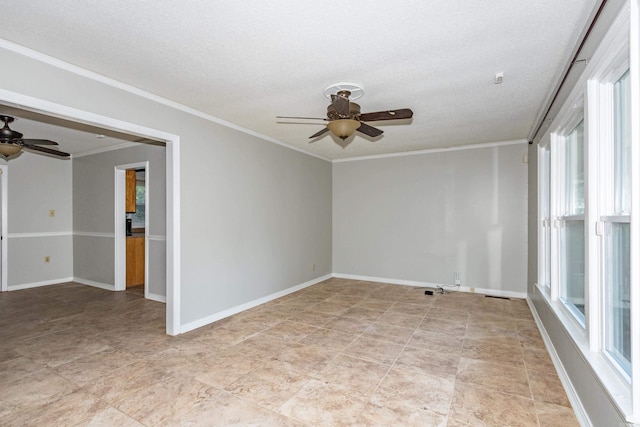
(340, 353)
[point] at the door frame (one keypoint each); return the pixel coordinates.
(120, 257)
(4, 197)
(172, 142)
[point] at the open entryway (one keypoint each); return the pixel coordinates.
(170, 229)
(132, 218)
(3, 228)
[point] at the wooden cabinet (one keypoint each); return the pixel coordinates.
(135, 261)
(130, 191)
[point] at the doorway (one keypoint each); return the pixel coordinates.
(172, 142)
(4, 285)
(132, 229)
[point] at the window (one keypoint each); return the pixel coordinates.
(572, 241)
(574, 178)
(617, 295)
(616, 227)
(622, 144)
(137, 220)
(545, 217)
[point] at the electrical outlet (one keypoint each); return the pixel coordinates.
(47, 259)
(52, 213)
(456, 278)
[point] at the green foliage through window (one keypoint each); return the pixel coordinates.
(138, 217)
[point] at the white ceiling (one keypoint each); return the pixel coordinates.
(247, 62)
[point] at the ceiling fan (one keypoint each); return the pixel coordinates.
(344, 117)
(11, 142)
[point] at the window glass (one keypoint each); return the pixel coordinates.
(572, 271)
(617, 296)
(574, 155)
(622, 145)
(137, 221)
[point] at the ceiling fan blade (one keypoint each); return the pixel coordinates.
(369, 130)
(403, 113)
(38, 142)
(289, 122)
(341, 105)
(301, 118)
(46, 150)
(317, 134)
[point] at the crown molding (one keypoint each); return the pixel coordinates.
(434, 150)
(41, 57)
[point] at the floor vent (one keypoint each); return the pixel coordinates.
(491, 296)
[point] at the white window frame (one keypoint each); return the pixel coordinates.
(574, 114)
(601, 111)
(545, 218)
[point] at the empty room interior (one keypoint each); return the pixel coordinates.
(320, 213)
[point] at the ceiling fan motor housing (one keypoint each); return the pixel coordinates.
(8, 135)
(354, 112)
(344, 117)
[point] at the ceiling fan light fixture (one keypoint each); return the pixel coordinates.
(8, 149)
(343, 128)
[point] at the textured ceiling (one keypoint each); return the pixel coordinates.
(247, 62)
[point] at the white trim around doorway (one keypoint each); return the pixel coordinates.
(4, 284)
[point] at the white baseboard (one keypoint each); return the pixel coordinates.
(108, 287)
(445, 286)
(576, 403)
(156, 297)
(39, 284)
(385, 280)
(246, 306)
(496, 292)
(95, 284)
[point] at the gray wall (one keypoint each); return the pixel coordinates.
(263, 214)
(266, 220)
(424, 217)
(594, 399)
(93, 213)
(38, 184)
(249, 208)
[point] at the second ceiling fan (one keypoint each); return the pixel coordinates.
(12, 142)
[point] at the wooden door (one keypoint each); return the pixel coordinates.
(135, 261)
